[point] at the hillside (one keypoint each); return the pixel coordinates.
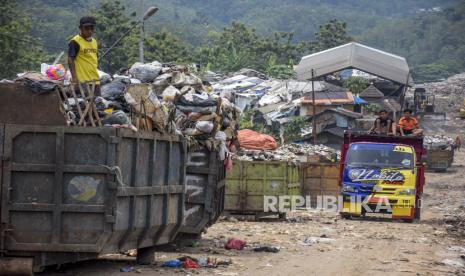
(424, 31)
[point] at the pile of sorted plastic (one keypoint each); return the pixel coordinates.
(438, 142)
(165, 98)
(289, 152)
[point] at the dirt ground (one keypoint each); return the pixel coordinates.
(314, 243)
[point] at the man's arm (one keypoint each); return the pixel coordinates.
(393, 128)
(401, 127)
(374, 126)
(73, 49)
(72, 69)
(416, 125)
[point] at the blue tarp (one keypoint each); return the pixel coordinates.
(358, 100)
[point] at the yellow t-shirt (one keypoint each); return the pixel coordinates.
(86, 61)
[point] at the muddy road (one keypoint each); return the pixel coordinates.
(316, 243)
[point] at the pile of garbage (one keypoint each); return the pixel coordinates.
(450, 93)
(438, 142)
(166, 98)
(290, 153)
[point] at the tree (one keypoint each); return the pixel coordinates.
(279, 71)
(239, 47)
(330, 35)
(162, 46)
(293, 129)
(18, 50)
(112, 23)
(356, 84)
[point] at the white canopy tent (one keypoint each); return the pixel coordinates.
(354, 55)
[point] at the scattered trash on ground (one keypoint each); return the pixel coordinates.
(172, 263)
(188, 262)
(272, 249)
(234, 243)
(127, 269)
(290, 152)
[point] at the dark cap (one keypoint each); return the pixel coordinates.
(87, 21)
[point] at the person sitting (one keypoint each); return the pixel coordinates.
(408, 125)
(383, 124)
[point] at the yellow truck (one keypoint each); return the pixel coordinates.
(382, 174)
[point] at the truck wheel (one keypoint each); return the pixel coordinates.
(417, 214)
(345, 215)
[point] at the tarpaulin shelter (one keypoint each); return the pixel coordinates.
(354, 55)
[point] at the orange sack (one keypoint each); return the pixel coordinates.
(249, 139)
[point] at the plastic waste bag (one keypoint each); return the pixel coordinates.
(104, 77)
(170, 93)
(201, 100)
(188, 263)
(223, 150)
(118, 117)
(53, 72)
(145, 72)
(172, 263)
(183, 79)
(234, 243)
(249, 139)
(204, 126)
(115, 89)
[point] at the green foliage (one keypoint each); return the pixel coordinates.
(293, 129)
(112, 23)
(432, 42)
(246, 119)
(239, 47)
(331, 34)
(19, 51)
(164, 46)
(356, 84)
(372, 108)
(279, 71)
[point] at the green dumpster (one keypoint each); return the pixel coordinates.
(250, 181)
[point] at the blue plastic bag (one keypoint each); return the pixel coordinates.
(172, 263)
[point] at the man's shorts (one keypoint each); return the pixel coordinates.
(408, 131)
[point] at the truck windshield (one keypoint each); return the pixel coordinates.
(380, 155)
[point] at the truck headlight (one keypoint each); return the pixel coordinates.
(407, 192)
(348, 188)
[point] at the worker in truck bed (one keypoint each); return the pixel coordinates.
(383, 124)
(408, 125)
(83, 55)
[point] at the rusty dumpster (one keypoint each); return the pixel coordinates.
(318, 180)
(205, 187)
(73, 193)
(250, 182)
(439, 160)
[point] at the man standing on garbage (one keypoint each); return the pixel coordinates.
(83, 54)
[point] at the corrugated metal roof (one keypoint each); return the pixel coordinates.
(330, 98)
(371, 92)
(354, 55)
